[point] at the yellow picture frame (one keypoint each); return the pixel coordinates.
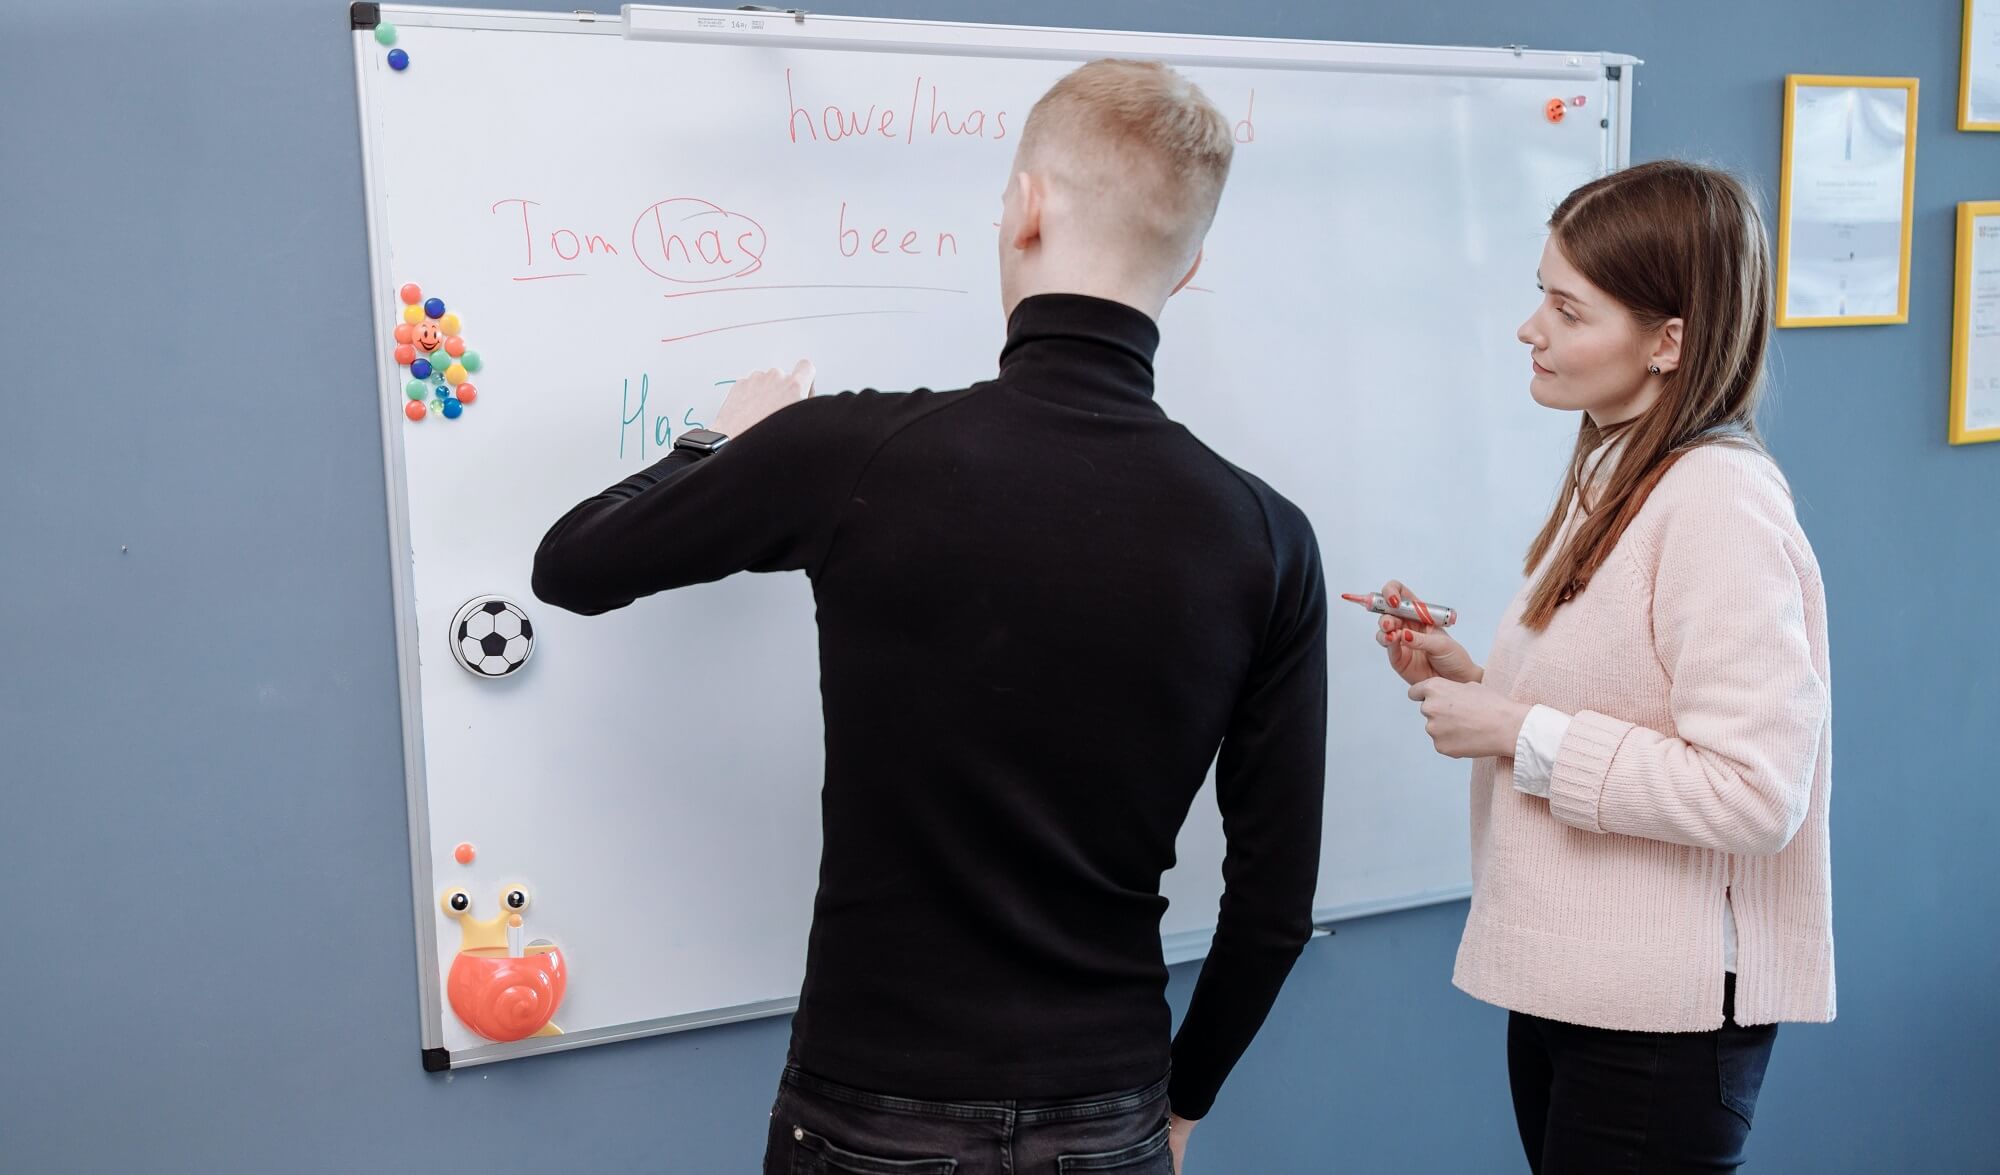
(1965, 42)
(1969, 214)
(1793, 83)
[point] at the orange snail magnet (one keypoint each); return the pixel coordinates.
(499, 989)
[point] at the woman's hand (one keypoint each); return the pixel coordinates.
(1178, 1129)
(1469, 720)
(1419, 652)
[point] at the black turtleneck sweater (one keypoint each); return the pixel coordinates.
(1044, 607)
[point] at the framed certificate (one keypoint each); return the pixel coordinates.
(1979, 68)
(1845, 201)
(1975, 336)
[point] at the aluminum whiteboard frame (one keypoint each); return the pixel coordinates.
(867, 34)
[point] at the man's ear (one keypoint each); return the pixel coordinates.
(1028, 192)
(1188, 276)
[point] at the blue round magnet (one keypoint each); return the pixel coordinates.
(452, 408)
(434, 308)
(398, 59)
(421, 368)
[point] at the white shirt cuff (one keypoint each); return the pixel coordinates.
(1535, 750)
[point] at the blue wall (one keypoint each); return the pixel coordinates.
(207, 961)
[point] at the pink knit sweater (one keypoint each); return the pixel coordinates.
(1696, 772)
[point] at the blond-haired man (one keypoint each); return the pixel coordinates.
(1044, 609)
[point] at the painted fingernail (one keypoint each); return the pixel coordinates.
(1395, 601)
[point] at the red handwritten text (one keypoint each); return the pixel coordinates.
(886, 242)
(694, 241)
(928, 114)
(566, 244)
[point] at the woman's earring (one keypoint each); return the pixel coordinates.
(1655, 369)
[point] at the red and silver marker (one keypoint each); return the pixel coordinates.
(1412, 610)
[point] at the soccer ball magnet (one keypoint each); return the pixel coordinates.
(491, 636)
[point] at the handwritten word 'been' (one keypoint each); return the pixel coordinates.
(910, 243)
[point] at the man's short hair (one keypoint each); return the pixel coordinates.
(1141, 150)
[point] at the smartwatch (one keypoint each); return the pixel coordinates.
(700, 442)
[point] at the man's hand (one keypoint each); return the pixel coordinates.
(1469, 720)
(1178, 1129)
(761, 393)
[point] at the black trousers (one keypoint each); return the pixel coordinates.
(1604, 1102)
(819, 1127)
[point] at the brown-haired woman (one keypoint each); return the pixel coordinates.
(1651, 734)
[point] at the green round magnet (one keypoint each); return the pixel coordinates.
(385, 34)
(470, 361)
(416, 389)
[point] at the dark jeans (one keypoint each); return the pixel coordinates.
(821, 1128)
(1602, 1102)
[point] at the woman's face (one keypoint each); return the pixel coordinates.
(1588, 351)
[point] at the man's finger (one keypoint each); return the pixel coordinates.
(804, 375)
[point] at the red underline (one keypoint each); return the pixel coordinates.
(772, 321)
(546, 276)
(739, 289)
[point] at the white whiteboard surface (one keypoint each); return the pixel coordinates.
(652, 775)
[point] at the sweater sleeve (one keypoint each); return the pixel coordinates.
(1749, 700)
(1270, 780)
(766, 502)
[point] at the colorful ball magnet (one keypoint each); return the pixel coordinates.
(412, 294)
(1555, 110)
(405, 333)
(421, 368)
(414, 410)
(398, 59)
(434, 307)
(467, 393)
(455, 374)
(404, 354)
(448, 323)
(452, 409)
(454, 346)
(385, 34)
(416, 389)
(413, 314)
(463, 854)
(470, 361)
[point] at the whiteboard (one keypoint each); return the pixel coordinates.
(624, 222)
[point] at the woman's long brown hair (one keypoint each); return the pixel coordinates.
(1666, 240)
